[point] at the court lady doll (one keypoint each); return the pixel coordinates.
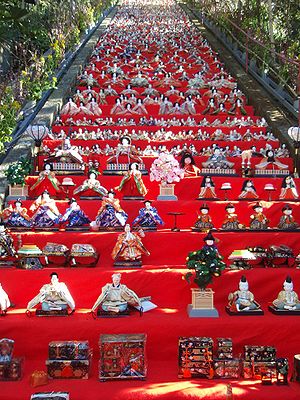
(248, 190)
(207, 190)
(288, 189)
(132, 184)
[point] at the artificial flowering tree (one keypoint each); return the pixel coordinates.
(166, 170)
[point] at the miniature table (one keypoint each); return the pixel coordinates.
(175, 215)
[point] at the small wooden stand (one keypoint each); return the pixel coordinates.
(202, 304)
(166, 192)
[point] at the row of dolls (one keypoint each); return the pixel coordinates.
(111, 215)
(132, 184)
(116, 297)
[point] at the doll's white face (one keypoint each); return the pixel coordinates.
(2, 228)
(147, 205)
(287, 212)
(18, 204)
(92, 176)
(209, 242)
(111, 196)
(243, 286)
(204, 211)
(288, 286)
(46, 196)
(127, 228)
(47, 167)
(54, 279)
(116, 278)
(73, 205)
(187, 161)
(231, 210)
(258, 209)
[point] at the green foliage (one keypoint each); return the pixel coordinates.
(17, 171)
(9, 108)
(54, 25)
(206, 263)
(274, 23)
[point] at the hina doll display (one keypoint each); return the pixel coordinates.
(258, 221)
(148, 217)
(66, 153)
(110, 214)
(46, 181)
(270, 160)
(204, 221)
(132, 185)
(217, 161)
(125, 153)
(288, 189)
(7, 248)
(4, 301)
(207, 190)
(74, 217)
(93, 184)
(287, 221)
(242, 300)
(129, 248)
(248, 190)
(116, 297)
(54, 298)
(287, 300)
(187, 163)
(16, 217)
(231, 221)
(46, 214)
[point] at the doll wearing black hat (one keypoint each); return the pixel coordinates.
(204, 221)
(287, 221)
(231, 221)
(74, 217)
(258, 221)
(148, 217)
